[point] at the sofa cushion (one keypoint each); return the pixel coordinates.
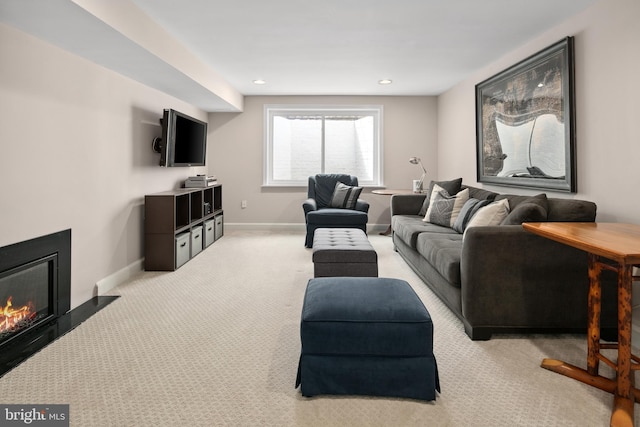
(408, 227)
(531, 209)
(444, 208)
(344, 196)
(480, 194)
(516, 199)
(571, 210)
(452, 188)
(443, 252)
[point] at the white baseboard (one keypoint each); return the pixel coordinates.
(247, 226)
(289, 227)
(108, 283)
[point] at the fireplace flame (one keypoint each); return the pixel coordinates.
(10, 317)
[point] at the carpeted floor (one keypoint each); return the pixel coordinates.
(217, 343)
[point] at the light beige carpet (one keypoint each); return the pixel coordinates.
(217, 343)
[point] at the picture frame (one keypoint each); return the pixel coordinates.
(525, 122)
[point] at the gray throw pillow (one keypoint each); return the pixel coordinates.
(466, 213)
(525, 212)
(345, 196)
(443, 208)
(452, 187)
(492, 214)
(530, 209)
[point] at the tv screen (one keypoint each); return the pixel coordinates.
(184, 140)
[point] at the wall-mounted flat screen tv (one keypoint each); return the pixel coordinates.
(184, 140)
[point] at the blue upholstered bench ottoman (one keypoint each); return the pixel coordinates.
(366, 336)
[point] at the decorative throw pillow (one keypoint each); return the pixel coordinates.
(525, 212)
(515, 199)
(492, 214)
(482, 194)
(531, 209)
(466, 213)
(452, 187)
(345, 196)
(444, 208)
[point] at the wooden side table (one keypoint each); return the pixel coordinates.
(615, 247)
(389, 192)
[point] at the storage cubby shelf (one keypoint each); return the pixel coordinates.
(170, 215)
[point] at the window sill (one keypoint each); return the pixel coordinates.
(304, 186)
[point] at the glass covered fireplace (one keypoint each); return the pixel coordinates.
(27, 296)
(35, 285)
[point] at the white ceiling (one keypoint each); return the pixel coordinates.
(345, 46)
(304, 47)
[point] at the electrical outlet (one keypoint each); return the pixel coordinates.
(243, 204)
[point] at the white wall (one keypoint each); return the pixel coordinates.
(236, 144)
(607, 64)
(75, 152)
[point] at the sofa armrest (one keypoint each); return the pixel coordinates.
(515, 278)
(362, 205)
(406, 204)
(309, 205)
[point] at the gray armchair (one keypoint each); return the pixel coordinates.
(319, 214)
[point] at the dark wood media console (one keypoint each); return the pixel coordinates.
(179, 224)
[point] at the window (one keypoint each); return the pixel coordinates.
(304, 141)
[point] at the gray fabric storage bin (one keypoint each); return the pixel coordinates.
(209, 232)
(219, 227)
(183, 248)
(197, 239)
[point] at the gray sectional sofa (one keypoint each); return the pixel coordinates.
(501, 278)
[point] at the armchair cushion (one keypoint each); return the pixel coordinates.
(322, 186)
(332, 217)
(345, 196)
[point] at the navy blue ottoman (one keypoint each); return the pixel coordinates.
(366, 336)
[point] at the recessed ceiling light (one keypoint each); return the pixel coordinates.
(259, 81)
(384, 82)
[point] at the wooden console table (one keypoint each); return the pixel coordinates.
(615, 247)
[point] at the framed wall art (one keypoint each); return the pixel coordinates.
(525, 122)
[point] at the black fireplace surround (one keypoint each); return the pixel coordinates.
(35, 297)
(37, 271)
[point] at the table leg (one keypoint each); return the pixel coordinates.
(623, 387)
(623, 402)
(593, 313)
(386, 232)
